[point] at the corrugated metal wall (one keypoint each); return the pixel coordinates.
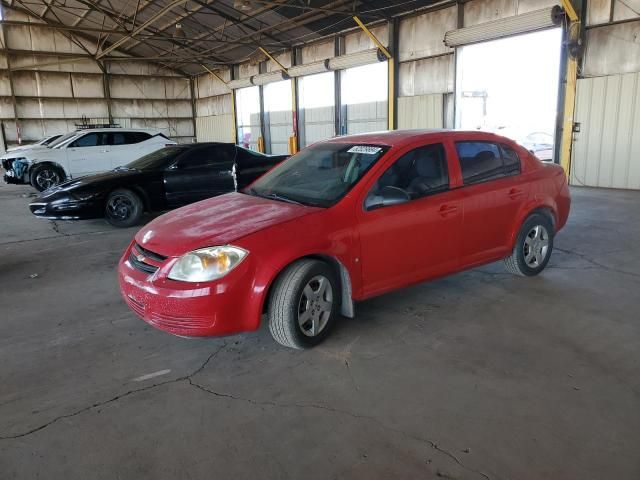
(422, 111)
(53, 92)
(214, 109)
(215, 128)
(606, 151)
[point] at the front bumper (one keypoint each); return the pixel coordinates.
(10, 177)
(62, 206)
(182, 308)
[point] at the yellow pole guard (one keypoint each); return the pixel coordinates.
(569, 108)
(375, 40)
(261, 144)
(293, 145)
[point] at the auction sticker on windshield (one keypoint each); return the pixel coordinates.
(365, 149)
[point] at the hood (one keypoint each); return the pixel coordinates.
(22, 150)
(216, 221)
(96, 183)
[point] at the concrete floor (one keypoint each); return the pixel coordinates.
(480, 375)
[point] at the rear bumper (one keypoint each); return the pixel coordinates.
(187, 309)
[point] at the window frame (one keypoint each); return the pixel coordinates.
(99, 135)
(447, 171)
(500, 146)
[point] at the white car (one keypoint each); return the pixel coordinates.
(84, 152)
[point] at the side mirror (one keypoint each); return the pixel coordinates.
(386, 197)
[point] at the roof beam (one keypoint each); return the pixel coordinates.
(154, 18)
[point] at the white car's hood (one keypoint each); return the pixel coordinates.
(26, 150)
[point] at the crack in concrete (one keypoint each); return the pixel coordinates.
(189, 379)
(56, 228)
(595, 263)
(114, 399)
(317, 406)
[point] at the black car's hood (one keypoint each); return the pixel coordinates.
(113, 178)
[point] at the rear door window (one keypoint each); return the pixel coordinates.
(510, 159)
(483, 161)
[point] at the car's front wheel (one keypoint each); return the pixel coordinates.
(123, 208)
(533, 246)
(45, 176)
(303, 304)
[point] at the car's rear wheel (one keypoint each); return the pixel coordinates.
(533, 246)
(45, 176)
(303, 304)
(123, 208)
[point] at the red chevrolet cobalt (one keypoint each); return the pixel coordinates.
(342, 221)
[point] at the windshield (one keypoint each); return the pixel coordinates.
(49, 140)
(62, 139)
(319, 175)
(157, 160)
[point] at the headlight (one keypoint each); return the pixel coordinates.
(207, 264)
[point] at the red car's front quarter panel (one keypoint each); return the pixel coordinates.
(326, 233)
(190, 309)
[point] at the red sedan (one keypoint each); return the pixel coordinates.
(344, 220)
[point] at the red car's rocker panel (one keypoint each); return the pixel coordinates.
(454, 226)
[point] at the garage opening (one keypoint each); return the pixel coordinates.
(364, 96)
(316, 107)
(248, 117)
(510, 87)
(278, 117)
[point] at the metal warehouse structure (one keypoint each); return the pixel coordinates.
(238, 70)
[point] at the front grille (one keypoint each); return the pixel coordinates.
(148, 253)
(140, 265)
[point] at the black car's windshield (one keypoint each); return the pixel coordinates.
(157, 160)
(319, 175)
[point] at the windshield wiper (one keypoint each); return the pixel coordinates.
(274, 196)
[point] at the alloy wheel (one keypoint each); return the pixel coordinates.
(47, 178)
(315, 306)
(536, 246)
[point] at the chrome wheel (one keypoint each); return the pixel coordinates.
(120, 207)
(315, 306)
(47, 178)
(536, 246)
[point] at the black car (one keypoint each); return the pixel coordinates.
(168, 178)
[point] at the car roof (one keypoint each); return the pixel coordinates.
(403, 137)
(117, 129)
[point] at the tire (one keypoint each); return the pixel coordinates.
(123, 208)
(303, 290)
(533, 247)
(45, 176)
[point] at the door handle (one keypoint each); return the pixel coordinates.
(515, 193)
(447, 210)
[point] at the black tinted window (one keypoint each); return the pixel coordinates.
(89, 140)
(510, 159)
(204, 156)
(127, 138)
(479, 161)
(420, 172)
